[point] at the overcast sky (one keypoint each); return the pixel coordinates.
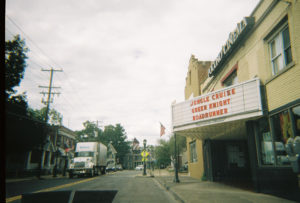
(123, 61)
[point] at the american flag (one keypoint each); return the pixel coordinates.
(162, 129)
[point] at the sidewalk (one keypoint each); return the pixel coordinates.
(191, 190)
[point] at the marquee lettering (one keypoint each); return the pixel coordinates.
(212, 105)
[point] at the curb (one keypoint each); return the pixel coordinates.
(32, 178)
(176, 196)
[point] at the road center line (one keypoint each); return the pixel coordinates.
(10, 199)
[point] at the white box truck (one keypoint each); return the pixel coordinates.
(89, 159)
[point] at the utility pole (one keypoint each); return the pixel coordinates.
(144, 157)
(97, 123)
(49, 93)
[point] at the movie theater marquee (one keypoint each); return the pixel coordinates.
(240, 99)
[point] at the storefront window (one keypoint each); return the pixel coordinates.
(282, 126)
(266, 143)
(296, 118)
(285, 126)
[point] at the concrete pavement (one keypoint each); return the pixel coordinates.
(191, 190)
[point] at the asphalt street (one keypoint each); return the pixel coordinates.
(131, 186)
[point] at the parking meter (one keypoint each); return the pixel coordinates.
(294, 153)
(289, 147)
(296, 145)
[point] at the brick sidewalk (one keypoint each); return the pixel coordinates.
(191, 190)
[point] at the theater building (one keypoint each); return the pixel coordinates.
(241, 109)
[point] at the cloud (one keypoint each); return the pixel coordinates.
(123, 61)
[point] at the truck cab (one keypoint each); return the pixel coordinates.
(89, 159)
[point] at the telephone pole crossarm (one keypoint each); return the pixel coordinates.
(40, 86)
(52, 70)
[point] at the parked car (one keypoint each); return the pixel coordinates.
(119, 167)
(184, 168)
(111, 165)
(139, 168)
(111, 168)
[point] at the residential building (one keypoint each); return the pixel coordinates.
(57, 151)
(111, 153)
(133, 158)
(241, 119)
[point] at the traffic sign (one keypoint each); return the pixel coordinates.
(145, 153)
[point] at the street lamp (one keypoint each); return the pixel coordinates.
(144, 142)
(176, 179)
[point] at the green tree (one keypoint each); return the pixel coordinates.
(180, 144)
(111, 134)
(117, 136)
(90, 133)
(17, 105)
(162, 153)
(22, 132)
(55, 118)
(15, 63)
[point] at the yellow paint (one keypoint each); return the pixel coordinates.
(13, 198)
(10, 199)
(196, 169)
(197, 72)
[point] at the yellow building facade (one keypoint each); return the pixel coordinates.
(241, 115)
(197, 73)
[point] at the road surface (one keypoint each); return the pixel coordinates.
(131, 186)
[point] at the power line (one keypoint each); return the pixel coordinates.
(37, 55)
(75, 91)
(35, 73)
(10, 32)
(12, 21)
(27, 37)
(32, 51)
